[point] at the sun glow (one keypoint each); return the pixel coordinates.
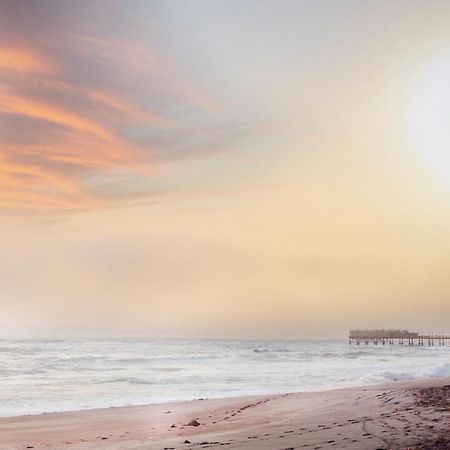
(430, 117)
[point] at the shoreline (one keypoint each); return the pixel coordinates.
(225, 398)
(391, 415)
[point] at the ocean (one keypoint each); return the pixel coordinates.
(38, 376)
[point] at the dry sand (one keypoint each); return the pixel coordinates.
(413, 415)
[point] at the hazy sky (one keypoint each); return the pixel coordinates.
(224, 168)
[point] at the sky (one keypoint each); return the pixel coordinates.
(252, 169)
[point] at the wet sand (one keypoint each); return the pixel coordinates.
(407, 415)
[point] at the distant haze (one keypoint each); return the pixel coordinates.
(228, 168)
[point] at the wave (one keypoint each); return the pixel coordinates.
(387, 376)
(271, 350)
(166, 369)
(129, 380)
(20, 350)
(130, 360)
(443, 371)
(139, 380)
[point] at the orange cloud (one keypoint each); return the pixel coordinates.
(24, 61)
(14, 104)
(85, 118)
(102, 98)
(34, 189)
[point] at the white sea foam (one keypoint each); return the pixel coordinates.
(56, 375)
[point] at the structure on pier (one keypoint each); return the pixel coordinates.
(390, 336)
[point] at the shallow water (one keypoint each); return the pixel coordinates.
(58, 375)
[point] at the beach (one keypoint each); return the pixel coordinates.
(224, 224)
(399, 415)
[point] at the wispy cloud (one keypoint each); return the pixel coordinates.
(79, 107)
(21, 61)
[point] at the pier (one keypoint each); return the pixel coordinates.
(401, 337)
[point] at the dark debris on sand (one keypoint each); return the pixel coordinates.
(440, 443)
(434, 397)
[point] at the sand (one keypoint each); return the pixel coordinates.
(413, 415)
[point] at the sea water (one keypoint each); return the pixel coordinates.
(51, 375)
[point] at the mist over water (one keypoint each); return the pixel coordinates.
(39, 376)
